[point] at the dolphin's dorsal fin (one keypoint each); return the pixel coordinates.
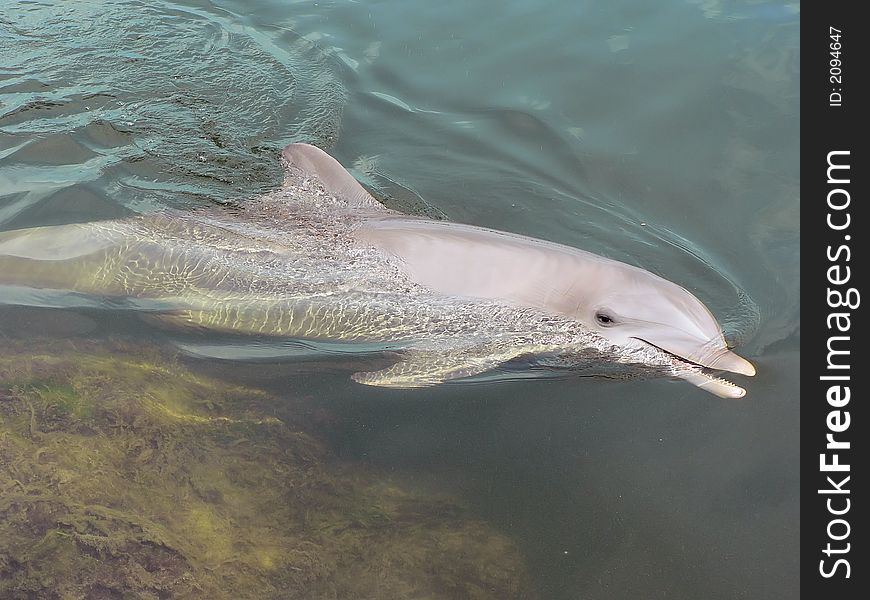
(314, 162)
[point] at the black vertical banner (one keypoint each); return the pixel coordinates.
(834, 223)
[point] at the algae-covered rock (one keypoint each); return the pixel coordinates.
(124, 475)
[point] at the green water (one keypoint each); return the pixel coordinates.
(662, 134)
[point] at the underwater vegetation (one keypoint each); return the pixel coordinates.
(125, 475)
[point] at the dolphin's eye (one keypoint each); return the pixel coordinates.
(604, 319)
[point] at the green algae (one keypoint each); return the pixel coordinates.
(125, 475)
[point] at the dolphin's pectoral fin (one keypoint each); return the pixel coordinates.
(427, 368)
(311, 161)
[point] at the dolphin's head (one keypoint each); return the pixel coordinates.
(628, 306)
(633, 307)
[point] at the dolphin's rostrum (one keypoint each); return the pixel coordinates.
(322, 259)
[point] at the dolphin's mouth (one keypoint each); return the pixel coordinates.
(701, 375)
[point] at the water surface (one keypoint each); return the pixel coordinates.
(664, 135)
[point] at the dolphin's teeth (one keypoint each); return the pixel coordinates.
(716, 385)
(721, 380)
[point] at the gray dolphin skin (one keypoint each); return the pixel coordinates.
(321, 259)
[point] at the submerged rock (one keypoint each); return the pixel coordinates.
(124, 475)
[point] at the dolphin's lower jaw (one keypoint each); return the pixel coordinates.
(694, 369)
(715, 385)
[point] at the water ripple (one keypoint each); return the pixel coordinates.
(188, 99)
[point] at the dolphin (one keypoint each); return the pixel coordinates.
(322, 259)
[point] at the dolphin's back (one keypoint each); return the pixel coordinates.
(468, 261)
(61, 242)
(54, 256)
(156, 255)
